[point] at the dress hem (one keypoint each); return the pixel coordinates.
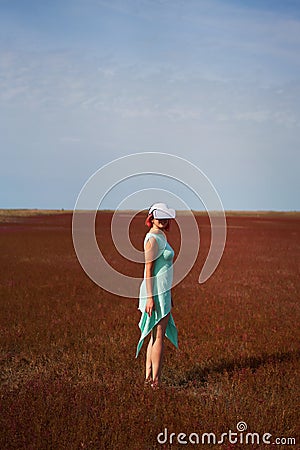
(141, 341)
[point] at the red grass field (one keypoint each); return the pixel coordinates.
(70, 379)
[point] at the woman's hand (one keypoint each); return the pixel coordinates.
(150, 306)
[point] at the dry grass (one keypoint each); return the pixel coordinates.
(69, 376)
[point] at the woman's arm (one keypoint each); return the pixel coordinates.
(151, 252)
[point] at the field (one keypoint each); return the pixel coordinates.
(70, 379)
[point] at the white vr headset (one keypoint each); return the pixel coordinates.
(161, 211)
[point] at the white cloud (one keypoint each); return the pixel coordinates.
(58, 81)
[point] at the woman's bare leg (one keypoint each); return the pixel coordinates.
(157, 349)
(148, 359)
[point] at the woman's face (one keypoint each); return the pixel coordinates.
(161, 223)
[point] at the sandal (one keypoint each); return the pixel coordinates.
(155, 385)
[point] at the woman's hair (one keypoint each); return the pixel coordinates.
(148, 222)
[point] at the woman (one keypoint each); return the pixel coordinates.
(155, 299)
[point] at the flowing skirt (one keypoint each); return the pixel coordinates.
(162, 308)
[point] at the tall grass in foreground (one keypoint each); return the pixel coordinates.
(69, 376)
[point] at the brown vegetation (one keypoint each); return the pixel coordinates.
(69, 375)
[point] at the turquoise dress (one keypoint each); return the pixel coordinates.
(161, 288)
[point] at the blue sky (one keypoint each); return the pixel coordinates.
(83, 82)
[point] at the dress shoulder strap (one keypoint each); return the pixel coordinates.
(156, 235)
(161, 240)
